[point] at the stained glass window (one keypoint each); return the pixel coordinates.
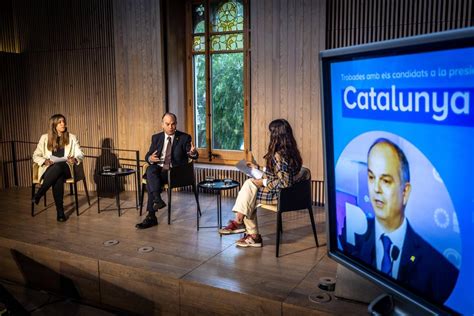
(199, 44)
(218, 53)
(199, 18)
(227, 16)
(227, 42)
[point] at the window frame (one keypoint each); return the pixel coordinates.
(209, 155)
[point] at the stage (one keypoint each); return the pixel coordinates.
(188, 272)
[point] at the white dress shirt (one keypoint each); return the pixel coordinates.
(165, 146)
(397, 237)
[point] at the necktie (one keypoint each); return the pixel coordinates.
(167, 163)
(386, 260)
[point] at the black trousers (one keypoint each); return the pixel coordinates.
(156, 177)
(55, 176)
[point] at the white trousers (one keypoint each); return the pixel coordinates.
(246, 203)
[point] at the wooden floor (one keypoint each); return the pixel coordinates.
(188, 272)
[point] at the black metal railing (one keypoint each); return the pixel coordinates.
(15, 159)
(317, 186)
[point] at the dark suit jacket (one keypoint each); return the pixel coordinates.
(179, 150)
(422, 268)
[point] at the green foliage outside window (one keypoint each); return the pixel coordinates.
(200, 100)
(227, 101)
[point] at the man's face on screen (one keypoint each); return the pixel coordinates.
(169, 124)
(388, 194)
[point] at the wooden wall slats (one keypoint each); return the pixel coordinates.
(96, 62)
(283, 65)
(285, 43)
(8, 38)
(307, 68)
(100, 64)
(139, 77)
(354, 22)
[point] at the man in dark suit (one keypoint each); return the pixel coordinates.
(170, 148)
(390, 244)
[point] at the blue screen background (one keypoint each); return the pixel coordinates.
(448, 145)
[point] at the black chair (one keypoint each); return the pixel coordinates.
(77, 174)
(180, 176)
(294, 198)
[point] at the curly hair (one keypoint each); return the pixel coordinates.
(283, 142)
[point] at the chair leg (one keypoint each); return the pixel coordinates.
(87, 191)
(198, 213)
(141, 198)
(76, 199)
(197, 200)
(33, 186)
(278, 233)
(169, 205)
(313, 225)
(71, 191)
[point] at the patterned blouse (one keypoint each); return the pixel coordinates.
(281, 177)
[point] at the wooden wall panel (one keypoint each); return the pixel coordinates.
(98, 62)
(353, 22)
(13, 125)
(68, 59)
(286, 37)
(8, 32)
(174, 34)
(139, 72)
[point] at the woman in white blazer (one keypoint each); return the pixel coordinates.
(55, 150)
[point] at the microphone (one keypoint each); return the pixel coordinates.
(395, 253)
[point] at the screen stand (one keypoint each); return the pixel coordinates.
(353, 287)
(386, 304)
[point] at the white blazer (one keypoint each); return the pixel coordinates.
(42, 153)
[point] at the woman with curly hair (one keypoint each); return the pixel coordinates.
(282, 164)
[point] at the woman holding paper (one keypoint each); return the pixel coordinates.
(282, 164)
(55, 150)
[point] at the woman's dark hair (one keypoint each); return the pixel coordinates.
(53, 143)
(283, 142)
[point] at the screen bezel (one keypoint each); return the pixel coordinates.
(416, 44)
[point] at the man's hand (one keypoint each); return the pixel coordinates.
(48, 162)
(258, 182)
(192, 151)
(154, 157)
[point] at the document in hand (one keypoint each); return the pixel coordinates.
(58, 159)
(251, 172)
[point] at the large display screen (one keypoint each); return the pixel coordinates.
(399, 150)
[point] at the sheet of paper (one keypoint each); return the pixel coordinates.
(251, 172)
(58, 159)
